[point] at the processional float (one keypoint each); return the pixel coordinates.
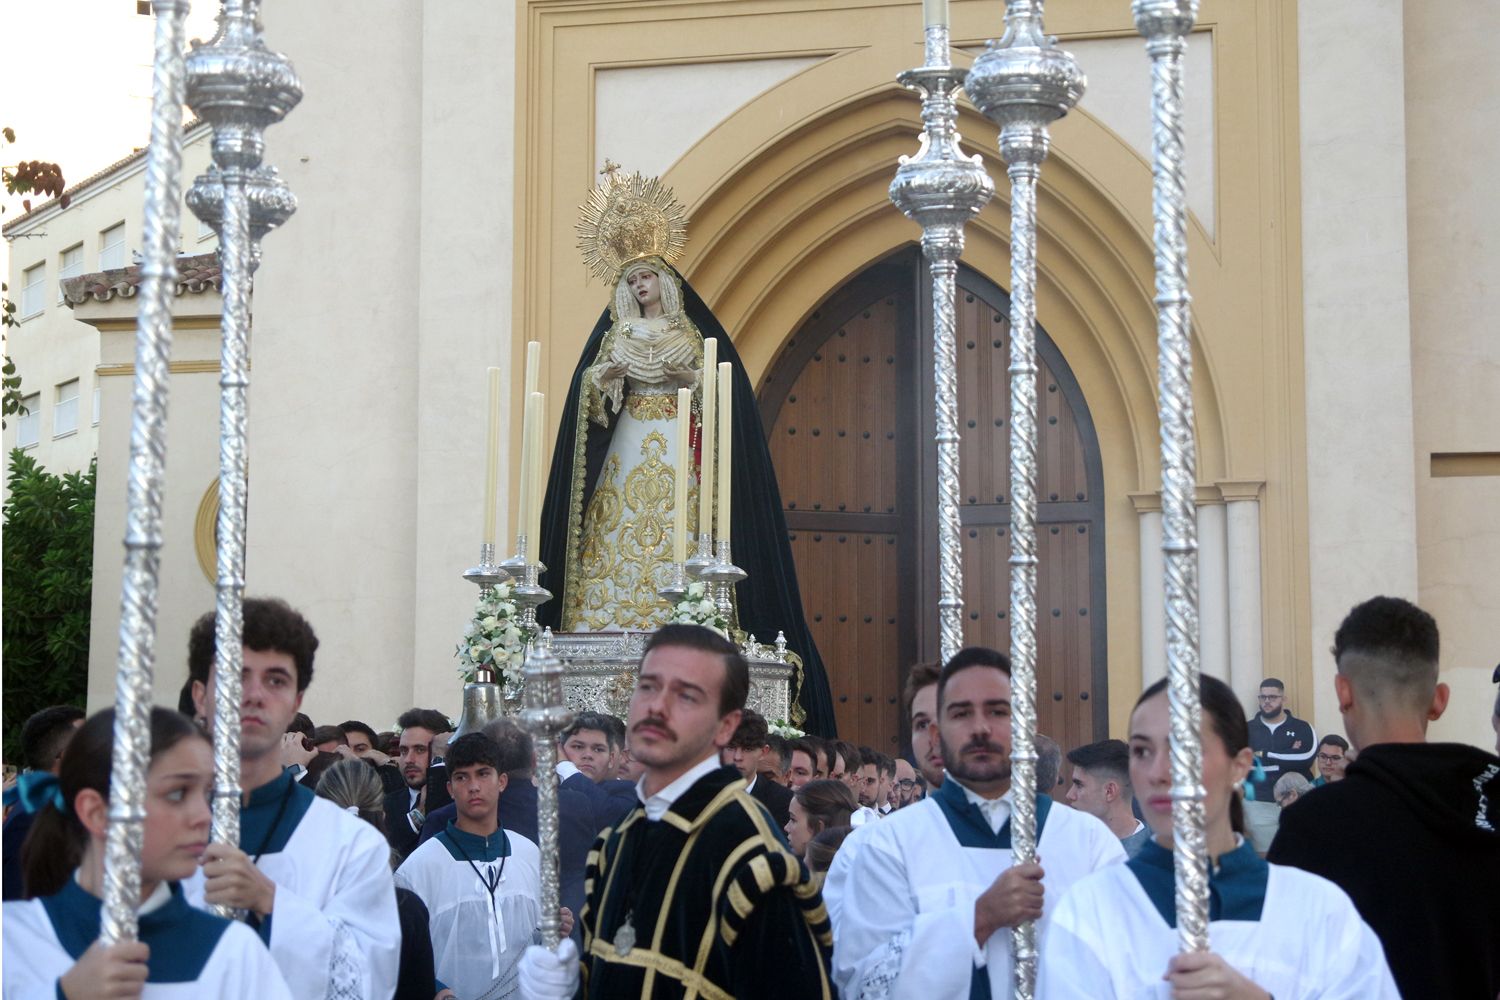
(239, 87)
(1022, 83)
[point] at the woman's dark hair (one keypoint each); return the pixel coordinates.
(1227, 719)
(54, 847)
(824, 845)
(827, 801)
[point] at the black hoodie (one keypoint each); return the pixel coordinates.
(1412, 834)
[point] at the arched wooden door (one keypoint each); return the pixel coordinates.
(849, 405)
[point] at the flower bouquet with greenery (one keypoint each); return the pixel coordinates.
(697, 608)
(494, 638)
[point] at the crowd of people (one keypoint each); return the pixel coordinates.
(700, 853)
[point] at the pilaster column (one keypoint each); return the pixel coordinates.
(1153, 607)
(1246, 651)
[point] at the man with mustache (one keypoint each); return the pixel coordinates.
(693, 892)
(922, 902)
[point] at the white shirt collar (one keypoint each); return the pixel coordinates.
(997, 811)
(658, 804)
(566, 769)
(753, 779)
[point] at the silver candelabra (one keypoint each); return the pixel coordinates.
(544, 717)
(131, 753)
(240, 87)
(1165, 25)
(1023, 83)
(940, 189)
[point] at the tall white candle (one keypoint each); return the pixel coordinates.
(533, 367)
(524, 493)
(726, 430)
(935, 13)
(683, 471)
(492, 460)
(537, 412)
(706, 440)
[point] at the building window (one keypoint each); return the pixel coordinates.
(205, 231)
(97, 392)
(29, 427)
(32, 280)
(112, 247)
(70, 265)
(65, 412)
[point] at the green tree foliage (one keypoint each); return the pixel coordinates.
(48, 564)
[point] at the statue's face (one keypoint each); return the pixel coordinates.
(645, 285)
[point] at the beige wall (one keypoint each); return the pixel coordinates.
(52, 347)
(1361, 491)
(1452, 219)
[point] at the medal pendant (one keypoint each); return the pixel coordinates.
(624, 938)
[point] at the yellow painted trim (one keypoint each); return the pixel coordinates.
(787, 199)
(175, 367)
(206, 532)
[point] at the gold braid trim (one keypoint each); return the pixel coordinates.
(656, 964)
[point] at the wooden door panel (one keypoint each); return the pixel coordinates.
(853, 452)
(851, 593)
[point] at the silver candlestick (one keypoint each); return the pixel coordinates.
(240, 87)
(941, 189)
(1023, 83)
(702, 557)
(723, 574)
(486, 574)
(544, 717)
(1165, 25)
(131, 753)
(676, 587)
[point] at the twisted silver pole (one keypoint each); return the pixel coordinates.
(1023, 83)
(544, 717)
(940, 189)
(1165, 25)
(131, 755)
(239, 87)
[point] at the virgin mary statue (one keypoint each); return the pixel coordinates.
(608, 512)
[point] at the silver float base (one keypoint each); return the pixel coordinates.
(601, 670)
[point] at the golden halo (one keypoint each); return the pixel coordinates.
(627, 218)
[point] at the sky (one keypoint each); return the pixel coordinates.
(75, 84)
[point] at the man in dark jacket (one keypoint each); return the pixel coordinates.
(1412, 833)
(1284, 743)
(744, 753)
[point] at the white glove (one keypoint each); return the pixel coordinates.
(550, 976)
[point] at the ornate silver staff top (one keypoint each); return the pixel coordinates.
(940, 189)
(240, 87)
(131, 754)
(1165, 25)
(544, 717)
(1023, 83)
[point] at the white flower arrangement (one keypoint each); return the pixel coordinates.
(696, 608)
(785, 729)
(494, 638)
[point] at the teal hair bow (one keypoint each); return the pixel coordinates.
(35, 790)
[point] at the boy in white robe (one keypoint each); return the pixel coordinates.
(314, 879)
(481, 884)
(921, 903)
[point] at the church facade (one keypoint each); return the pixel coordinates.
(1346, 382)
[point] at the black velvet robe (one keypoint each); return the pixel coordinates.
(718, 903)
(769, 600)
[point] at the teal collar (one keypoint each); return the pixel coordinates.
(1236, 884)
(181, 938)
(472, 847)
(969, 823)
